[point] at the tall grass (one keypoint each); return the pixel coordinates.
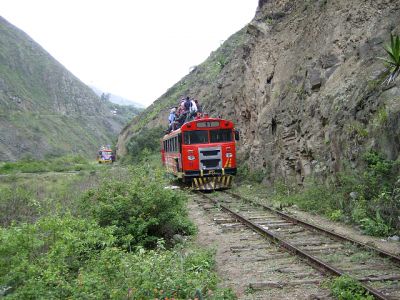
(60, 164)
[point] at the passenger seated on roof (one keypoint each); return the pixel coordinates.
(171, 117)
(181, 119)
(186, 104)
(199, 109)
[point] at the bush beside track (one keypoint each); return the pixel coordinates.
(114, 241)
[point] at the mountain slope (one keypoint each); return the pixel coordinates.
(44, 109)
(117, 99)
(304, 86)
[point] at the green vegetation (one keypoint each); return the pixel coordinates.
(356, 130)
(244, 174)
(368, 198)
(60, 164)
(135, 210)
(392, 62)
(123, 114)
(101, 233)
(27, 197)
(346, 288)
(144, 143)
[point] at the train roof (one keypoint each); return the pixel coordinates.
(207, 121)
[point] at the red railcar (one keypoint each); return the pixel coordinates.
(202, 152)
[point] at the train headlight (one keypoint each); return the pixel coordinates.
(228, 155)
(191, 157)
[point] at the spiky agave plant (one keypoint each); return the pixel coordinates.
(393, 61)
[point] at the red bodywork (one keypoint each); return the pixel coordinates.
(201, 148)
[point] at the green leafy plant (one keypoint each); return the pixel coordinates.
(336, 215)
(143, 143)
(41, 260)
(376, 226)
(221, 61)
(392, 62)
(142, 210)
(150, 274)
(347, 288)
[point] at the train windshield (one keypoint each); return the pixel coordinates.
(220, 135)
(195, 137)
(201, 136)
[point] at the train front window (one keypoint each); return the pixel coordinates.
(221, 135)
(195, 137)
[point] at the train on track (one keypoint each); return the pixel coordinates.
(105, 155)
(202, 153)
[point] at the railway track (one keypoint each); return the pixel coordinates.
(329, 253)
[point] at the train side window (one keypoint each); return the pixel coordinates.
(179, 142)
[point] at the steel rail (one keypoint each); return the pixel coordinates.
(337, 236)
(310, 258)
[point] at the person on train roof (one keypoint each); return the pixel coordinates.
(172, 116)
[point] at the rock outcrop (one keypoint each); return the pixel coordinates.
(303, 84)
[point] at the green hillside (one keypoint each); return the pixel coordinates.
(44, 109)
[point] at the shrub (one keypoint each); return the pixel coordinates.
(381, 187)
(153, 274)
(147, 140)
(17, 204)
(346, 288)
(376, 226)
(245, 174)
(141, 208)
(336, 215)
(41, 260)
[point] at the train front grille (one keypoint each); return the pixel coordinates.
(210, 158)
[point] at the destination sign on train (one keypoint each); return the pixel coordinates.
(208, 124)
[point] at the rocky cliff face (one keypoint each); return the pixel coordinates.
(44, 109)
(302, 82)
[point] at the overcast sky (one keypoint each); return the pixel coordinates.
(133, 48)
